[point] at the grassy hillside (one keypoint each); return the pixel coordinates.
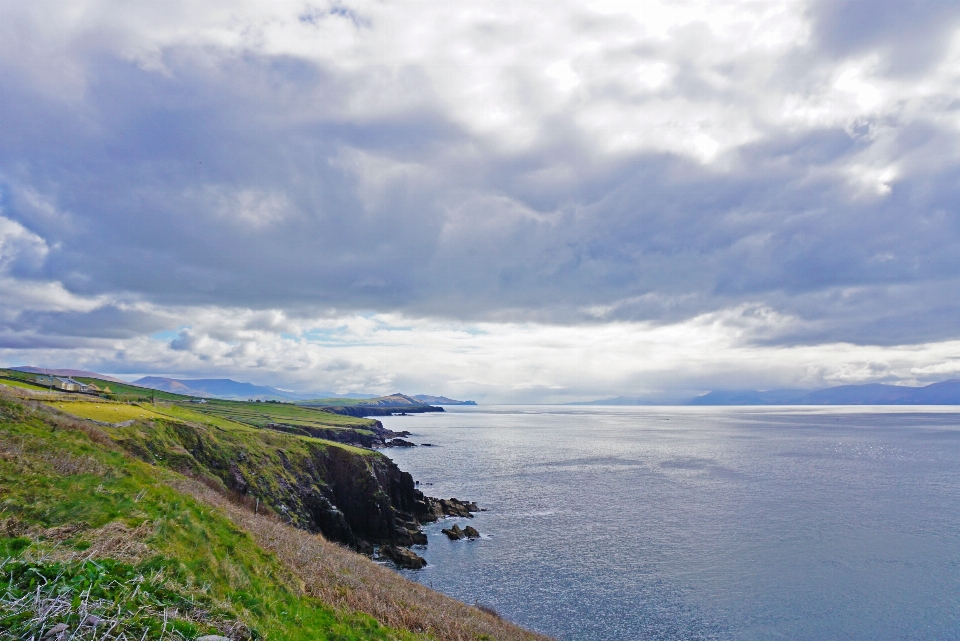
(392, 400)
(108, 546)
(258, 414)
(264, 413)
(103, 411)
(96, 526)
(114, 390)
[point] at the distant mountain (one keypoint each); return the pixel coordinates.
(392, 400)
(750, 397)
(620, 400)
(945, 393)
(66, 372)
(216, 388)
(440, 400)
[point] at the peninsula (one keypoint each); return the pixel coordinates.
(153, 510)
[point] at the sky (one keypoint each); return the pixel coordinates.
(505, 201)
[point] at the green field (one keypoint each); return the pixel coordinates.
(236, 427)
(21, 384)
(105, 411)
(224, 414)
(262, 414)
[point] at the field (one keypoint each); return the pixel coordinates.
(105, 412)
(262, 414)
(187, 413)
(21, 384)
(227, 425)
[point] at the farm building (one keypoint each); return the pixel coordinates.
(62, 383)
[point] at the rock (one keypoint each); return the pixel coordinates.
(417, 537)
(363, 547)
(399, 442)
(454, 533)
(471, 532)
(453, 507)
(403, 557)
(92, 620)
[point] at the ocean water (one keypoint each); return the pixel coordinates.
(611, 523)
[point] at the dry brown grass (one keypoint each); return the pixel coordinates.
(63, 463)
(353, 582)
(114, 540)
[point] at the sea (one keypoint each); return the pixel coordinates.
(680, 523)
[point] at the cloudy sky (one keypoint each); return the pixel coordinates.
(512, 202)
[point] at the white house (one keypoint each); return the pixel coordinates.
(63, 383)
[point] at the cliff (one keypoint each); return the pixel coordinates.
(353, 496)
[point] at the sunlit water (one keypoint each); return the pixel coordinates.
(699, 523)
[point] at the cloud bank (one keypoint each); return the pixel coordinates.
(519, 201)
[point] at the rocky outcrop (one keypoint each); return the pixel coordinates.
(370, 410)
(438, 508)
(403, 557)
(455, 533)
(374, 436)
(399, 442)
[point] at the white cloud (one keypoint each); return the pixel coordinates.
(526, 200)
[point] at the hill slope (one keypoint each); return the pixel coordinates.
(440, 400)
(214, 388)
(66, 372)
(151, 553)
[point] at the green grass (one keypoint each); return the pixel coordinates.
(261, 414)
(184, 412)
(214, 420)
(103, 411)
(21, 384)
(196, 560)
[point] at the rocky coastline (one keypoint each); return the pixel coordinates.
(374, 437)
(358, 499)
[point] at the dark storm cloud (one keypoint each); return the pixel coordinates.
(107, 321)
(244, 180)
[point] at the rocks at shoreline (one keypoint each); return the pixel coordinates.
(455, 533)
(399, 442)
(380, 436)
(403, 557)
(438, 508)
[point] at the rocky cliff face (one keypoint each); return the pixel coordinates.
(354, 497)
(374, 436)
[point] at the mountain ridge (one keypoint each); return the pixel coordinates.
(70, 373)
(941, 393)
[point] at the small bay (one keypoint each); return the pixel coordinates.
(609, 523)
